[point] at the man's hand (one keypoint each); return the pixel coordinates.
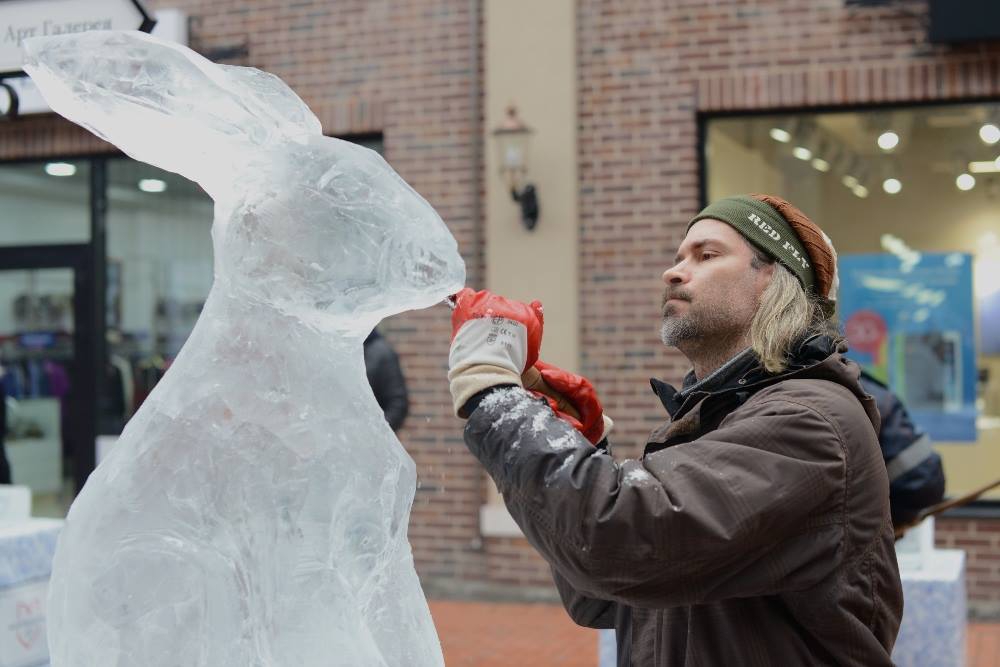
(580, 393)
(493, 340)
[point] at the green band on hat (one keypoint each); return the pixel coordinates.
(765, 228)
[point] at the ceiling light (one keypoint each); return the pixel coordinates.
(781, 135)
(819, 164)
(849, 181)
(860, 191)
(888, 140)
(984, 166)
(892, 185)
(60, 169)
(152, 185)
(965, 182)
(802, 153)
(989, 133)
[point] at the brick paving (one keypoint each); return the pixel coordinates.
(476, 634)
(481, 634)
(984, 644)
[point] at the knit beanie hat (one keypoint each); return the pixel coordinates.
(785, 233)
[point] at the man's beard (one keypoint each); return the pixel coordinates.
(675, 330)
(695, 326)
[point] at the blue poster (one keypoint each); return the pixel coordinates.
(909, 322)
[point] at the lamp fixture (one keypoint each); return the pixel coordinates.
(61, 169)
(512, 137)
(780, 135)
(989, 133)
(965, 182)
(888, 140)
(819, 164)
(802, 153)
(892, 186)
(984, 166)
(152, 185)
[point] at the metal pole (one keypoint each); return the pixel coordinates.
(94, 356)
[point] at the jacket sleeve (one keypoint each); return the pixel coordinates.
(707, 520)
(585, 611)
(916, 477)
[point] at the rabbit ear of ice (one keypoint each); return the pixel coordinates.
(164, 104)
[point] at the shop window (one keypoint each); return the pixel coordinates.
(45, 203)
(909, 197)
(159, 272)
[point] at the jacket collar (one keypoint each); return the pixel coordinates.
(734, 373)
(743, 370)
(722, 377)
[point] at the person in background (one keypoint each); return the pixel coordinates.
(386, 379)
(916, 477)
(5, 476)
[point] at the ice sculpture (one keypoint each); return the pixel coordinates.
(254, 512)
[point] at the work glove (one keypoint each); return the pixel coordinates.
(493, 341)
(572, 397)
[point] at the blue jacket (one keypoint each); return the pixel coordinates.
(916, 478)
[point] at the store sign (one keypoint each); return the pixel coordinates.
(20, 19)
(19, 96)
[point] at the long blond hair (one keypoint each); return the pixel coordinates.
(785, 314)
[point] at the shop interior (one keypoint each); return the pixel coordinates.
(158, 270)
(899, 188)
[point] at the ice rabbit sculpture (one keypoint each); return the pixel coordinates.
(254, 512)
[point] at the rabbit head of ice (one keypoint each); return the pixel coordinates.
(312, 225)
(338, 236)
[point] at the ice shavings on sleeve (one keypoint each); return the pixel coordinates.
(563, 442)
(567, 462)
(540, 422)
(512, 401)
(637, 476)
(514, 404)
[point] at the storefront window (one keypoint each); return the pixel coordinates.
(909, 197)
(37, 357)
(159, 272)
(45, 203)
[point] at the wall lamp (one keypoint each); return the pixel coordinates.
(512, 138)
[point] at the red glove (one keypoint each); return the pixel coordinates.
(493, 340)
(579, 392)
(486, 311)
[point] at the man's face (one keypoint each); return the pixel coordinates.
(712, 291)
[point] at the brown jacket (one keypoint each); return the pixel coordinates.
(754, 531)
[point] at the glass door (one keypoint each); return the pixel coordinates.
(37, 355)
(49, 383)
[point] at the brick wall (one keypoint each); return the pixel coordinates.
(980, 538)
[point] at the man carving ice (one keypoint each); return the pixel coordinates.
(755, 529)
